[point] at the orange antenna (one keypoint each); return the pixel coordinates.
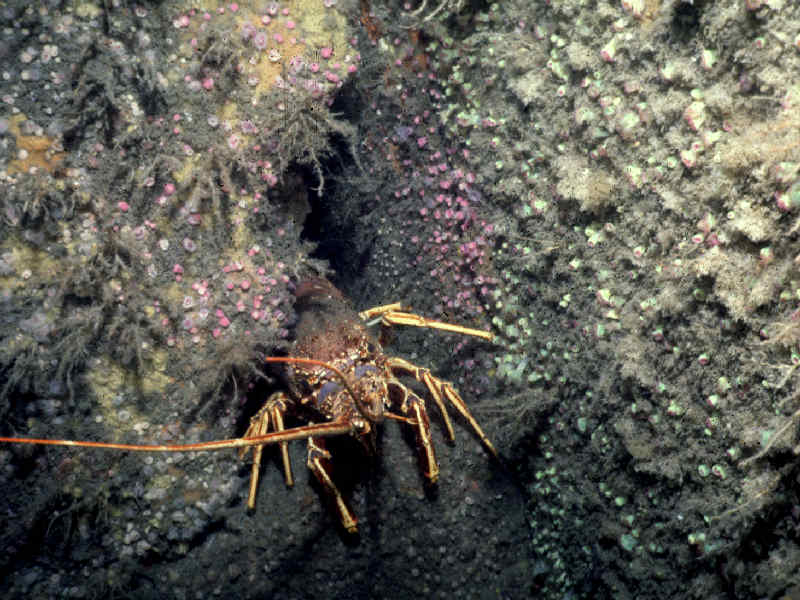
(321, 429)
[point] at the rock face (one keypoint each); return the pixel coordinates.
(611, 187)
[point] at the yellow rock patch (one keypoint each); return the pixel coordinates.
(38, 148)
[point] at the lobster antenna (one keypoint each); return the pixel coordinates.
(318, 429)
(324, 429)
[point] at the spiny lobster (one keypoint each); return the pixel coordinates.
(339, 382)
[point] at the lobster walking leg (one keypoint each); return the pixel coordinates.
(393, 314)
(319, 461)
(274, 409)
(441, 390)
(413, 407)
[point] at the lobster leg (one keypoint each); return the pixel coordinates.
(379, 311)
(393, 314)
(319, 461)
(413, 406)
(274, 409)
(441, 390)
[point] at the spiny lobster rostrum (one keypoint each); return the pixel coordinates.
(339, 382)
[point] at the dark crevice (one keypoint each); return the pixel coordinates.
(686, 20)
(326, 225)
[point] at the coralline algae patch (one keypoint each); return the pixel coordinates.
(274, 48)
